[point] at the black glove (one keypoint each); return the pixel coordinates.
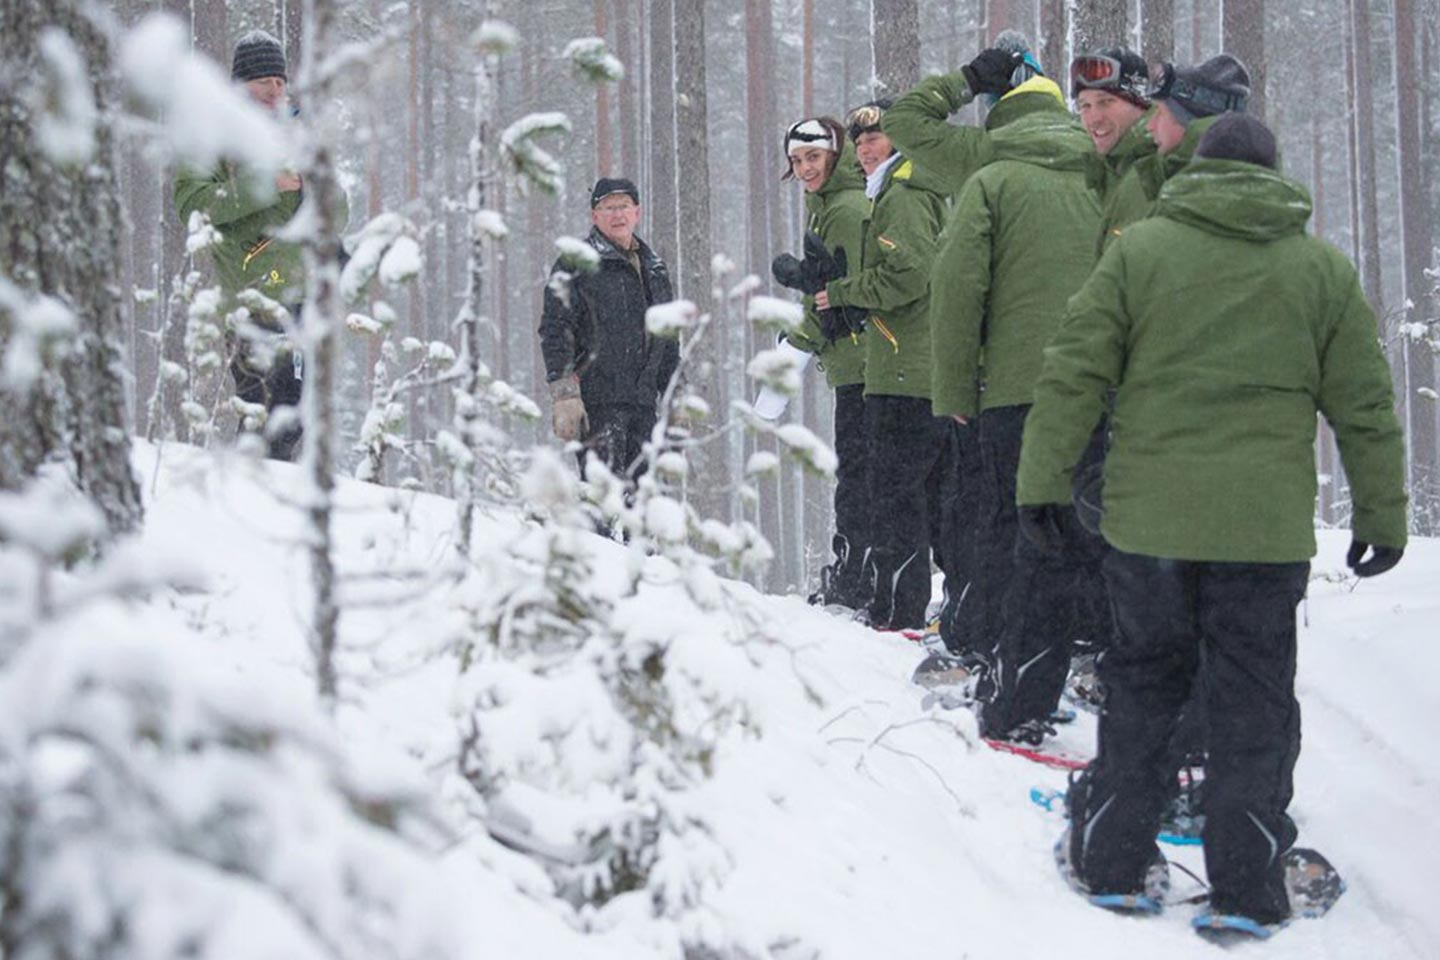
(821, 266)
(1381, 558)
(990, 71)
(1043, 525)
(787, 271)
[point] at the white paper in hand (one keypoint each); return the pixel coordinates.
(770, 404)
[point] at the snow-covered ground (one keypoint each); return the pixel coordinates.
(855, 823)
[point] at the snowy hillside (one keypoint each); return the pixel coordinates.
(841, 820)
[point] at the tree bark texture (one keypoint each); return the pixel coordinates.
(1157, 30)
(1364, 105)
(1415, 258)
(1243, 31)
(60, 237)
(1053, 35)
(662, 202)
(895, 40)
(1099, 23)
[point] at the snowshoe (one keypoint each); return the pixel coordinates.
(1082, 687)
(1312, 883)
(1228, 929)
(1148, 901)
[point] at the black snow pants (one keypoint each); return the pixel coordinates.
(1233, 626)
(962, 624)
(909, 457)
(1031, 598)
(615, 435)
(844, 580)
(280, 386)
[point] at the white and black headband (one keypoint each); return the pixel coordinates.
(810, 133)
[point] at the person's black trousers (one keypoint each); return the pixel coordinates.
(1175, 619)
(845, 580)
(280, 386)
(1031, 598)
(615, 435)
(961, 621)
(908, 461)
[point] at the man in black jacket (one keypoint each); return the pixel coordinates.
(605, 370)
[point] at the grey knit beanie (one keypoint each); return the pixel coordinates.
(1236, 136)
(258, 55)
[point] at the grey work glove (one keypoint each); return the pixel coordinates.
(569, 417)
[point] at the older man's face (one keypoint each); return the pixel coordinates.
(269, 92)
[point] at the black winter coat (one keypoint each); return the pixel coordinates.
(600, 334)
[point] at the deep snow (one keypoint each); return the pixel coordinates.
(857, 825)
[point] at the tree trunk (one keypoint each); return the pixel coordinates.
(60, 236)
(662, 201)
(807, 83)
(895, 41)
(1364, 100)
(1352, 143)
(604, 156)
(1419, 361)
(1099, 23)
(1157, 30)
(323, 310)
(1053, 36)
(1243, 32)
(629, 112)
(290, 28)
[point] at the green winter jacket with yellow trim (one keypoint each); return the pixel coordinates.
(893, 281)
(1223, 329)
(917, 125)
(1021, 240)
(837, 212)
(248, 255)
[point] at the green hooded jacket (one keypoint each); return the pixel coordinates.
(893, 281)
(1021, 240)
(1119, 208)
(917, 125)
(837, 212)
(247, 255)
(1224, 328)
(1138, 190)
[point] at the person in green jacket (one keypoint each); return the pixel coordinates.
(1109, 88)
(909, 449)
(248, 256)
(1020, 241)
(1187, 101)
(1223, 330)
(822, 160)
(919, 126)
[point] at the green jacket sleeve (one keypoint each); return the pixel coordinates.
(218, 194)
(1357, 399)
(1082, 363)
(960, 289)
(904, 234)
(917, 125)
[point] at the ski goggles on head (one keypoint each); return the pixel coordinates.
(1097, 71)
(1165, 84)
(863, 119)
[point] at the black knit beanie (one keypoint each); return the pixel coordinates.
(1237, 136)
(258, 55)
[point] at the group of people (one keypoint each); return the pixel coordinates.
(1077, 360)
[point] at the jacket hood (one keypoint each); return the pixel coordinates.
(1038, 94)
(1044, 137)
(1234, 199)
(847, 174)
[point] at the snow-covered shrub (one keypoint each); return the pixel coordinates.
(156, 804)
